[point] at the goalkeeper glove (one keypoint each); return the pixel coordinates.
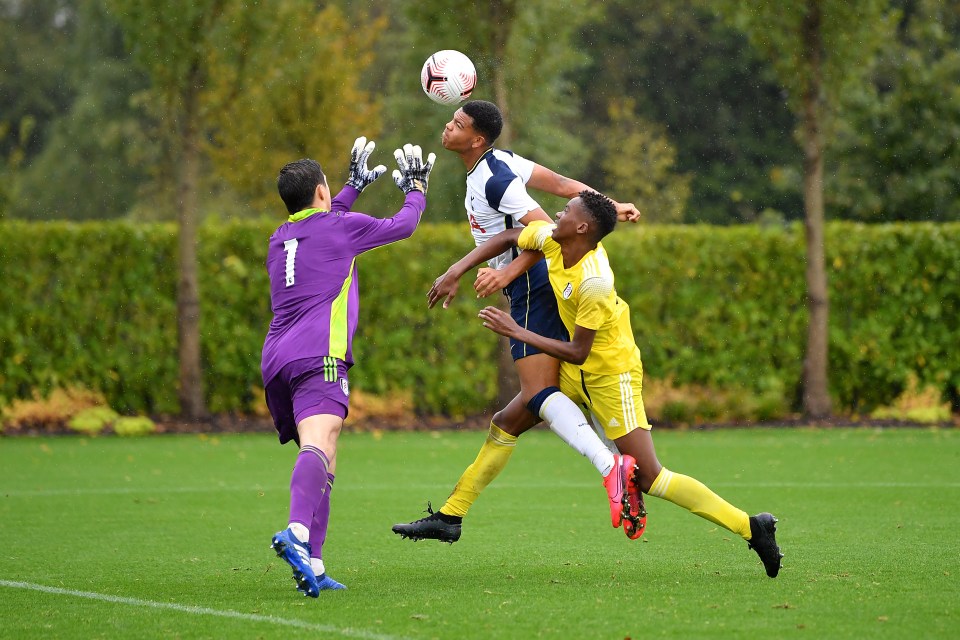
(413, 173)
(359, 176)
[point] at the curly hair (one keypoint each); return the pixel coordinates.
(601, 209)
(487, 119)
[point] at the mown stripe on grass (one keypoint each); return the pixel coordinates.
(367, 486)
(205, 611)
(110, 491)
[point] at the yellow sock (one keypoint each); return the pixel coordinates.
(493, 457)
(695, 497)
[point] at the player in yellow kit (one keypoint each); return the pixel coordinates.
(601, 367)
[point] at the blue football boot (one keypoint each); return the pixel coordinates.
(325, 583)
(297, 555)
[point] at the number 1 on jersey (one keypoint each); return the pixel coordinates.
(290, 246)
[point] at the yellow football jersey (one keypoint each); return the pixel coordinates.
(586, 297)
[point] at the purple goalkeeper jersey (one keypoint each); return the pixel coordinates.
(314, 292)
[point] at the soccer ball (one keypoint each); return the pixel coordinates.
(448, 77)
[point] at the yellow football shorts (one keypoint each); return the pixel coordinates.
(615, 400)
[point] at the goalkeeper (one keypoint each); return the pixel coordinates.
(314, 295)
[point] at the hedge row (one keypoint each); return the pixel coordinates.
(727, 307)
(94, 304)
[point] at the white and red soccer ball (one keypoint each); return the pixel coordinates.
(448, 77)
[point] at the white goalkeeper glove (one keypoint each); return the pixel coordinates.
(413, 173)
(359, 176)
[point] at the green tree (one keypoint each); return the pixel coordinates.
(897, 149)
(263, 82)
(89, 164)
(10, 163)
(524, 55)
(287, 82)
(172, 40)
(819, 49)
(34, 47)
(638, 160)
(718, 101)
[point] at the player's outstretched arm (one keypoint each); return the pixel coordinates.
(549, 181)
(489, 281)
(367, 232)
(575, 351)
(445, 287)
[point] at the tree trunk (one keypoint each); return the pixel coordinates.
(192, 404)
(816, 396)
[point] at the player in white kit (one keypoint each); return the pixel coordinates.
(497, 199)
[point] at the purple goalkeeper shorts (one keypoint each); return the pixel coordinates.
(304, 388)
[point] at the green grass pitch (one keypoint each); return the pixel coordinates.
(167, 537)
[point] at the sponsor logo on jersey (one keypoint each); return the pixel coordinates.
(568, 291)
(475, 225)
(345, 386)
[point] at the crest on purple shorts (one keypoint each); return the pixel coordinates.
(345, 386)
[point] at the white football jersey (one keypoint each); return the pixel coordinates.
(497, 197)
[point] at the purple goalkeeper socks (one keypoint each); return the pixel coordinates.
(308, 484)
(318, 528)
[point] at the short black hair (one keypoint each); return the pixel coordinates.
(487, 119)
(601, 209)
(298, 182)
